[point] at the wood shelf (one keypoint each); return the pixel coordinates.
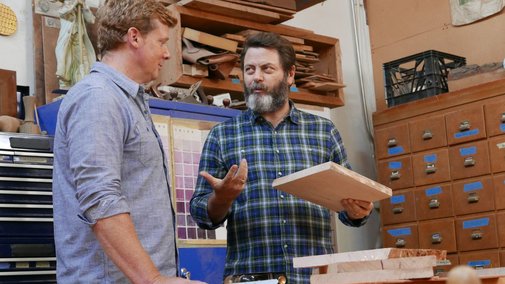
(327, 47)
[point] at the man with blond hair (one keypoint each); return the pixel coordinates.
(113, 218)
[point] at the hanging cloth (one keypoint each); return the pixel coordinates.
(468, 11)
(74, 51)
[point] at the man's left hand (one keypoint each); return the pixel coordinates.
(357, 209)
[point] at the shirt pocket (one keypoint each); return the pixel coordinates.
(149, 148)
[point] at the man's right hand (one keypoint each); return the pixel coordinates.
(226, 190)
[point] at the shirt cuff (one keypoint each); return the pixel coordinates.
(103, 209)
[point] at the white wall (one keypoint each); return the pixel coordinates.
(16, 51)
(334, 18)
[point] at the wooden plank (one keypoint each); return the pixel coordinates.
(283, 11)
(227, 8)
(324, 179)
(8, 97)
(372, 276)
(210, 40)
(292, 39)
(364, 255)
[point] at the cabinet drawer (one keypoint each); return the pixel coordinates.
(497, 154)
(500, 223)
(392, 141)
(400, 208)
(434, 202)
(465, 125)
(480, 259)
(401, 236)
(473, 195)
(396, 173)
(438, 234)
(431, 167)
(476, 232)
(427, 133)
(453, 259)
(495, 118)
(469, 160)
(499, 191)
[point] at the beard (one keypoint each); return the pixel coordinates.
(271, 101)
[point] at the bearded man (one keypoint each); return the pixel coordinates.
(267, 228)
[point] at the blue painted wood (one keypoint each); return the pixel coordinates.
(204, 263)
(191, 111)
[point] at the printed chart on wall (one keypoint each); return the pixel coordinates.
(183, 141)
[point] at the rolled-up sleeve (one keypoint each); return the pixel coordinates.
(95, 153)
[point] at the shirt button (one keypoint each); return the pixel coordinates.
(283, 221)
(282, 196)
(277, 151)
(279, 173)
(285, 246)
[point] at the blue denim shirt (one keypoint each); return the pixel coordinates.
(108, 160)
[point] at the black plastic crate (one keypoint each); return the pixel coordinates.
(418, 76)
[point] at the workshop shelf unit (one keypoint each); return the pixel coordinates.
(27, 253)
(328, 49)
(444, 157)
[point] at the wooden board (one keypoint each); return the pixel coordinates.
(364, 255)
(372, 276)
(328, 183)
(227, 8)
(8, 96)
(209, 39)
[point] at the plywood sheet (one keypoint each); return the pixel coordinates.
(328, 183)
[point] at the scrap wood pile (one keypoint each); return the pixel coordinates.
(217, 56)
(370, 266)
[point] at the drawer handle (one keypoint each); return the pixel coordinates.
(394, 175)
(185, 273)
(434, 203)
(397, 210)
(464, 125)
(400, 243)
(477, 235)
(473, 197)
(392, 142)
(502, 117)
(430, 168)
(427, 135)
(469, 162)
(436, 238)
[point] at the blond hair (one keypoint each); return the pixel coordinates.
(115, 17)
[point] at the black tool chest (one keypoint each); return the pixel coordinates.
(27, 252)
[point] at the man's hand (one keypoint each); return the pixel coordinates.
(174, 280)
(357, 209)
(226, 190)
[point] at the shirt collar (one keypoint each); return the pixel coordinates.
(129, 86)
(293, 115)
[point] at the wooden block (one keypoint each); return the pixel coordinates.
(322, 86)
(235, 37)
(330, 183)
(195, 70)
(364, 255)
(210, 40)
(235, 10)
(8, 96)
(372, 276)
(409, 262)
(355, 266)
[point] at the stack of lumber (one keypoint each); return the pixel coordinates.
(471, 75)
(372, 266)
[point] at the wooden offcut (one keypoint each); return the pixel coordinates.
(209, 39)
(328, 183)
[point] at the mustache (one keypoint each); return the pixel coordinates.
(258, 86)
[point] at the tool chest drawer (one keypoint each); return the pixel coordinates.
(392, 141)
(401, 236)
(400, 208)
(476, 232)
(431, 167)
(469, 160)
(473, 195)
(438, 234)
(434, 202)
(396, 172)
(481, 259)
(465, 125)
(495, 117)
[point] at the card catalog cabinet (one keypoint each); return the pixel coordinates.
(444, 158)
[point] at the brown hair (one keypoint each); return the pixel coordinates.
(270, 40)
(115, 17)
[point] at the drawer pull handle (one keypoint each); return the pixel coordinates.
(427, 135)
(400, 243)
(473, 197)
(476, 235)
(397, 210)
(434, 204)
(436, 238)
(502, 117)
(394, 175)
(464, 125)
(392, 142)
(469, 162)
(185, 273)
(430, 168)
